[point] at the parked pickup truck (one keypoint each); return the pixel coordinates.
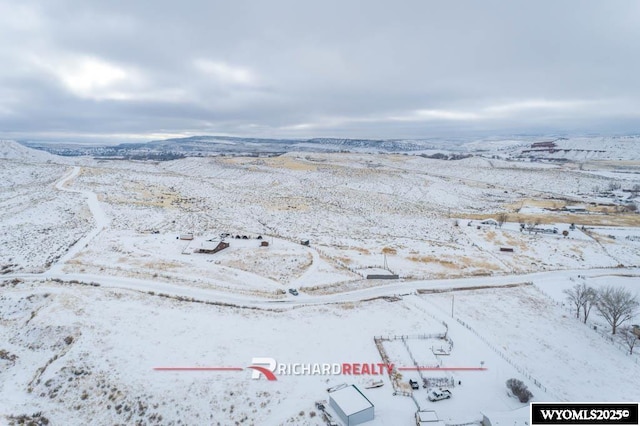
(438, 394)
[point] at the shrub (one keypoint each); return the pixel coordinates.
(519, 390)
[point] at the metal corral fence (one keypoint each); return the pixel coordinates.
(412, 336)
(394, 376)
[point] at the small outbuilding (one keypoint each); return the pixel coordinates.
(575, 209)
(351, 405)
(428, 418)
(212, 250)
(383, 277)
(517, 417)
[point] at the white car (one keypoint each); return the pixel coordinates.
(437, 395)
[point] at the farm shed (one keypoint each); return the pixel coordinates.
(549, 144)
(575, 209)
(207, 250)
(351, 405)
(428, 418)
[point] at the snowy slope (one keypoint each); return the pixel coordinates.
(11, 150)
(586, 148)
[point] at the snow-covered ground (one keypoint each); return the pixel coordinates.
(97, 288)
(38, 223)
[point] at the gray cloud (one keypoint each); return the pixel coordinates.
(120, 69)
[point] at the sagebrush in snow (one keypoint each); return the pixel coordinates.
(519, 390)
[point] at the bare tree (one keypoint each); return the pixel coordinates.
(589, 300)
(532, 225)
(616, 305)
(502, 218)
(629, 338)
(582, 297)
(575, 295)
(614, 186)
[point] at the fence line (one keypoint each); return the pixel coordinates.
(441, 336)
(518, 368)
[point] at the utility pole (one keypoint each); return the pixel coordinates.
(453, 297)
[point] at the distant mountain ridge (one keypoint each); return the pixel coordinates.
(554, 148)
(231, 145)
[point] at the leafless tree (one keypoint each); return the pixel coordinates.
(590, 297)
(582, 297)
(575, 295)
(614, 186)
(502, 218)
(532, 225)
(629, 338)
(616, 305)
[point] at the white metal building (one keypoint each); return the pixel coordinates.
(351, 405)
(517, 417)
(428, 418)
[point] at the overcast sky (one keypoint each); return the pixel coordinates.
(116, 70)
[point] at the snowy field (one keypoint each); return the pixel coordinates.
(38, 223)
(97, 287)
(135, 333)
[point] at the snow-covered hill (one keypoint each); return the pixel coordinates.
(11, 150)
(583, 149)
(553, 148)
